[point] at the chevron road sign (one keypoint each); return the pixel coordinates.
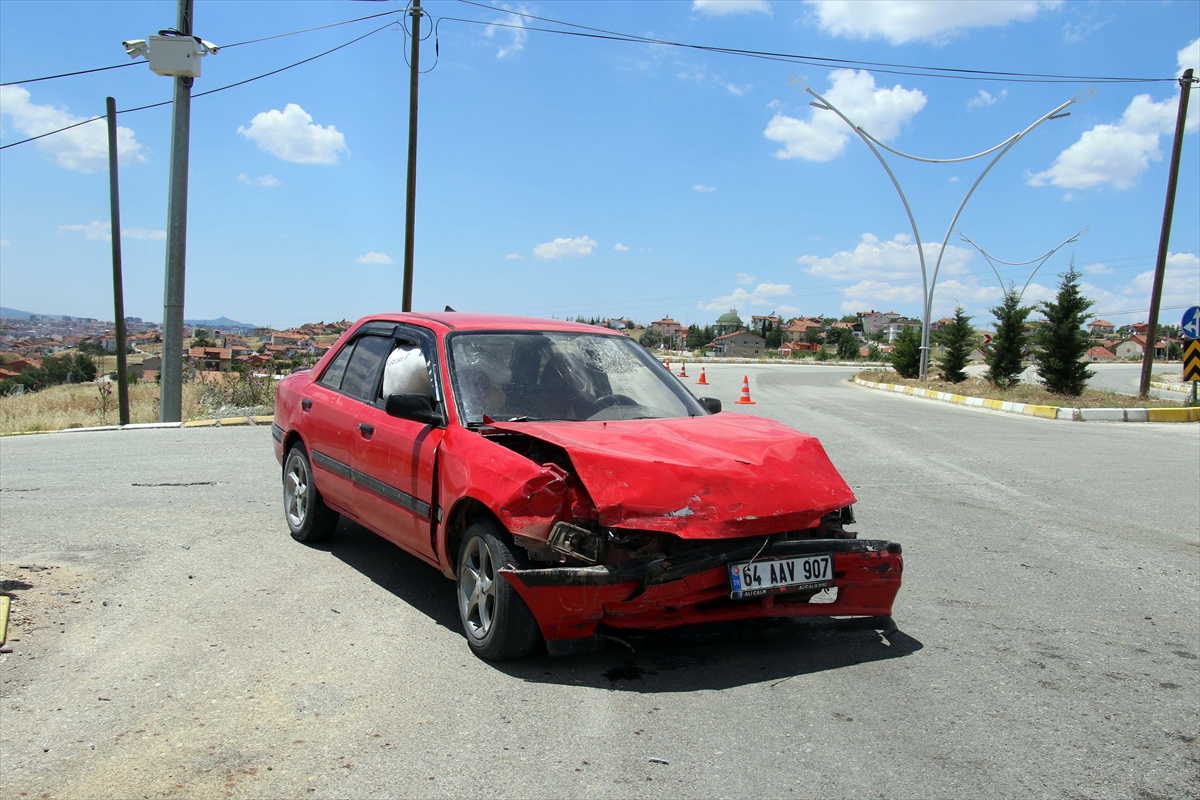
(1191, 360)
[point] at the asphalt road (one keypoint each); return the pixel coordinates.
(180, 644)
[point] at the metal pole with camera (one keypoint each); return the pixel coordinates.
(176, 53)
(114, 199)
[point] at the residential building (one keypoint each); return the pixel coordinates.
(1098, 354)
(1101, 329)
(211, 359)
(1132, 348)
(740, 344)
(667, 328)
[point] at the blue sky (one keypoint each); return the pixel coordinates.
(560, 175)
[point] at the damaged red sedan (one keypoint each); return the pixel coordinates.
(568, 483)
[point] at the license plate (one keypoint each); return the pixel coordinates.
(772, 576)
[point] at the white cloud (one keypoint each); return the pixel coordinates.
(620, 248)
(873, 260)
(933, 21)
(84, 148)
(738, 90)
(291, 135)
(517, 35)
(1181, 281)
(264, 180)
(375, 258)
(983, 99)
(700, 187)
(98, 231)
(880, 112)
(1098, 269)
(1189, 56)
(5, 243)
(954, 179)
(514, 256)
(721, 8)
(897, 296)
(743, 278)
(1116, 154)
(565, 248)
(763, 295)
(1087, 24)
(145, 234)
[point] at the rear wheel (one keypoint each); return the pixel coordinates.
(497, 622)
(308, 518)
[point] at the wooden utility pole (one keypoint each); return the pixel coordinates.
(410, 208)
(1164, 237)
(114, 200)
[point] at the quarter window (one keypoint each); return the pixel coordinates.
(333, 374)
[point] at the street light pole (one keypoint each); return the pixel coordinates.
(170, 399)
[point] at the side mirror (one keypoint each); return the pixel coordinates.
(711, 404)
(414, 406)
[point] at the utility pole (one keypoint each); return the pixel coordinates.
(170, 400)
(410, 208)
(114, 200)
(1160, 268)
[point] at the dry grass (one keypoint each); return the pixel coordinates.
(1024, 393)
(78, 406)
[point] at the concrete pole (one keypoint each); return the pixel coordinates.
(114, 199)
(1160, 268)
(170, 398)
(410, 203)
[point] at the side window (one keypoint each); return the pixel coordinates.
(364, 366)
(406, 371)
(333, 375)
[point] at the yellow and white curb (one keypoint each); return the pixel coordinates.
(1045, 412)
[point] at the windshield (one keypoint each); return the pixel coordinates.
(562, 376)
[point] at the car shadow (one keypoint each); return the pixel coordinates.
(718, 656)
(395, 571)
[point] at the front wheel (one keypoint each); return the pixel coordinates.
(498, 624)
(308, 518)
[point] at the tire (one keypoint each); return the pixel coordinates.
(497, 623)
(308, 518)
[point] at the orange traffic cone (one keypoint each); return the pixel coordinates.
(668, 365)
(703, 381)
(745, 398)
(683, 370)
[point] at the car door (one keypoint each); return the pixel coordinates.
(394, 458)
(330, 432)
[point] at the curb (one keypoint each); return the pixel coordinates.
(227, 422)
(1045, 412)
(1171, 387)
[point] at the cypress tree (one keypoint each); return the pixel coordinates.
(1007, 348)
(958, 338)
(1063, 340)
(847, 346)
(906, 356)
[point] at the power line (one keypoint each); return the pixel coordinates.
(819, 61)
(222, 47)
(210, 91)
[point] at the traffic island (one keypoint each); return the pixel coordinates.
(1043, 412)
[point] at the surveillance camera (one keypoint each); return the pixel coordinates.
(209, 47)
(136, 47)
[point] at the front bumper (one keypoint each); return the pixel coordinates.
(652, 594)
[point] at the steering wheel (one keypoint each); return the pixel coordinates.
(602, 403)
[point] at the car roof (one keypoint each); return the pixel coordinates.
(474, 321)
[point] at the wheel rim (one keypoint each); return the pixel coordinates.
(477, 589)
(296, 485)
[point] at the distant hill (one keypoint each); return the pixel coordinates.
(221, 324)
(14, 313)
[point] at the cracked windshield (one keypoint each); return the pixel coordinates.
(561, 376)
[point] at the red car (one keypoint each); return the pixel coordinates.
(568, 482)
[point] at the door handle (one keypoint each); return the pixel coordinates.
(365, 428)
(306, 404)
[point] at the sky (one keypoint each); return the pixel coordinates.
(562, 176)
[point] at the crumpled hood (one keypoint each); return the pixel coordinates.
(709, 477)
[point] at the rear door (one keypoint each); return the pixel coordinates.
(394, 458)
(330, 432)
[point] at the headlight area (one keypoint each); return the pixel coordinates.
(658, 590)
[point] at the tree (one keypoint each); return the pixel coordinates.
(774, 337)
(847, 346)
(812, 334)
(823, 353)
(958, 338)
(83, 369)
(906, 355)
(650, 338)
(1063, 340)
(1004, 355)
(695, 337)
(873, 353)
